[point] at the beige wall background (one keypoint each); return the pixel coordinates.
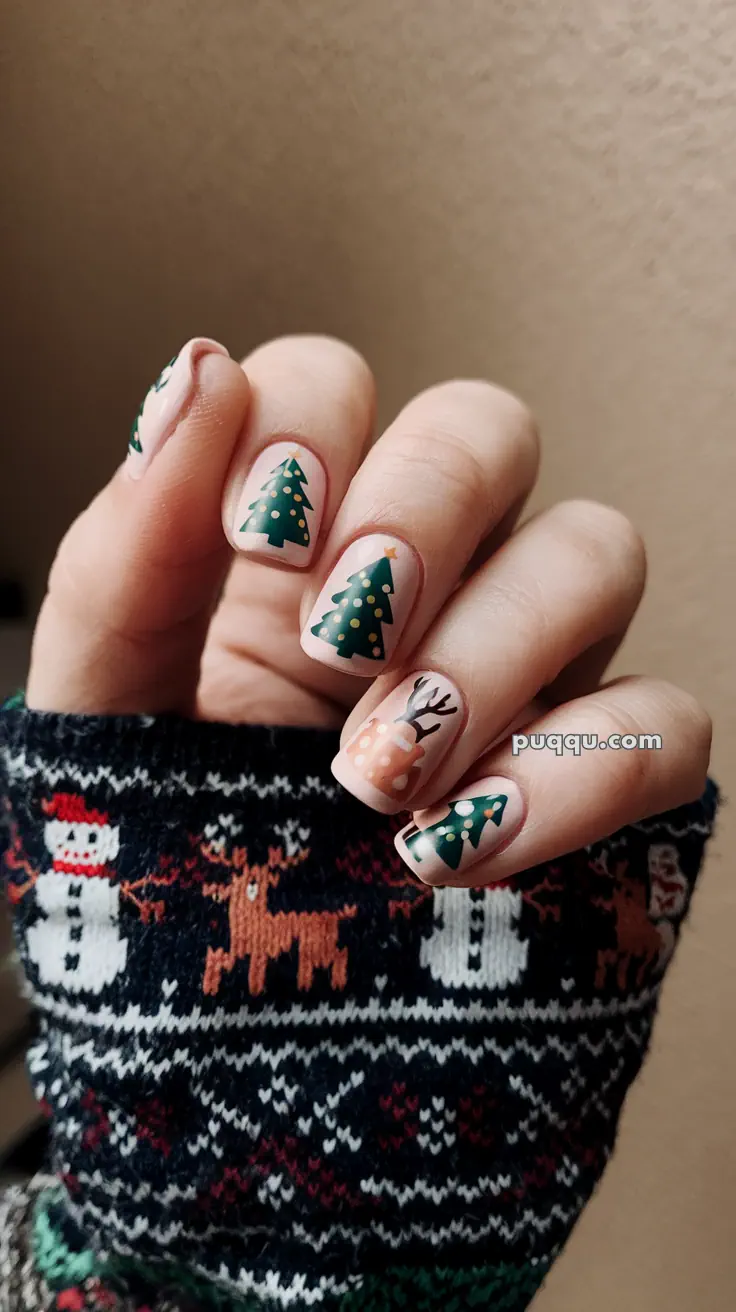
(539, 193)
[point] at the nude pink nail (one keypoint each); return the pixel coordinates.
(279, 511)
(360, 613)
(454, 836)
(394, 752)
(165, 403)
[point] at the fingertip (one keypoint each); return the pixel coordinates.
(181, 384)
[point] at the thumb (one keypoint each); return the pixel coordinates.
(136, 578)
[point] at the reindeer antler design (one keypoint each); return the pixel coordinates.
(238, 863)
(148, 911)
(170, 872)
(16, 859)
(415, 708)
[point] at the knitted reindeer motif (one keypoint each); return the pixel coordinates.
(639, 939)
(264, 935)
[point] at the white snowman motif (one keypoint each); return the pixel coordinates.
(668, 885)
(77, 942)
(667, 894)
(475, 940)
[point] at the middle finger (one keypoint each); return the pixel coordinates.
(442, 476)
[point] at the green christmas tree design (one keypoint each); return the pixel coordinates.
(279, 508)
(134, 441)
(354, 627)
(463, 824)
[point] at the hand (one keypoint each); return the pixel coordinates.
(388, 594)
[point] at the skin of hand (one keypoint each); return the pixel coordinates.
(259, 558)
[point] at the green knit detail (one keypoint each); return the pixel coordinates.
(55, 1261)
(501, 1288)
(61, 1267)
(173, 1280)
(15, 702)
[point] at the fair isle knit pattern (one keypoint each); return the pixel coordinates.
(280, 1072)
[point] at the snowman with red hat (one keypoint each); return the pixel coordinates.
(77, 941)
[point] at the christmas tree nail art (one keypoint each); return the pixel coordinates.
(280, 511)
(454, 835)
(465, 823)
(165, 403)
(361, 610)
(394, 752)
(360, 613)
(274, 516)
(135, 441)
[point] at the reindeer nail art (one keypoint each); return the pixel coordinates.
(395, 751)
(455, 835)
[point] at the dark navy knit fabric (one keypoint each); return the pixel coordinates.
(280, 1072)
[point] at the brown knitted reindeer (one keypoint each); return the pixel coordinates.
(641, 942)
(264, 935)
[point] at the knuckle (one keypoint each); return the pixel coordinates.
(674, 706)
(462, 399)
(306, 349)
(443, 459)
(320, 361)
(72, 577)
(631, 768)
(690, 721)
(677, 774)
(475, 436)
(603, 533)
(515, 419)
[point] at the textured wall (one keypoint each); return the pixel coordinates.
(538, 193)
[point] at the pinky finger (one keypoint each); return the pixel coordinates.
(529, 802)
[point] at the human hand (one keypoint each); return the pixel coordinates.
(461, 625)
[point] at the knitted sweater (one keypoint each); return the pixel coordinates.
(280, 1072)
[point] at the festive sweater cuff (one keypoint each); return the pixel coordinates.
(280, 1072)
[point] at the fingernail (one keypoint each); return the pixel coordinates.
(453, 836)
(394, 752)
(165, 403)
(361, 611)
(280, 508)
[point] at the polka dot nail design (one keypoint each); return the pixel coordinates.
(396, 750)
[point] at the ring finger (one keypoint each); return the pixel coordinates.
(566, 581)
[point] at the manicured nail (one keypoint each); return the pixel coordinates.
(165, 403)
(397, 748)
(361, 611)
(455, 835)
(280, 508)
